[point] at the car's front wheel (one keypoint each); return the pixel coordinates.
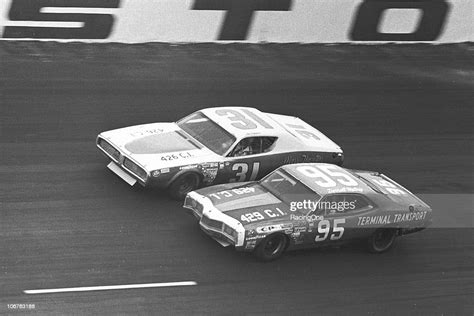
(184, 184)
(272, 247)
(381, 240)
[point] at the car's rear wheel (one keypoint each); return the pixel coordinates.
(382, 240)
(272, 247)
(184, 184)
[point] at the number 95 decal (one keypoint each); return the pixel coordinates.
(324, 230)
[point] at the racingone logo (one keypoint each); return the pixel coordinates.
(97, 19)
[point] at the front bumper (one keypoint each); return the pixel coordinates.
(121, 173)
(221, 227)
(123, 166)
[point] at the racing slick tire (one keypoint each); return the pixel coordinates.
(272, 247)
(184, 184)
(382, 240)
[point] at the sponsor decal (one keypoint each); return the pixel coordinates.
(209, 165)
(188, 167)
(391, 219)
(209, 174)
(256, 237)
(268, 229)
(230, 193)
(273, 228)
(299, 229)
(147, 132)
(290, 160)
(374, 220)
(317, 158)
(304, 159)
(345, 190)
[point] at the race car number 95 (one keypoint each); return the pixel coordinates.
(324, 230)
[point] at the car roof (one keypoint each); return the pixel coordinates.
(258, 123)
(287, 128)
(326, 181)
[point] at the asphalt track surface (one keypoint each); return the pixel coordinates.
(66, 221)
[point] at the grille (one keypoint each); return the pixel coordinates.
(134, 168)
(199, 208)
(189, 202)
(230, 231)
(114, 153)
(211, 223)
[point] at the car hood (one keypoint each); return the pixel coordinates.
(238, 200)
(158, 145)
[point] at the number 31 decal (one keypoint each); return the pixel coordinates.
(242, 121)
(242, 170)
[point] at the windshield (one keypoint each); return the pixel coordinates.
(208, 133)
(287, 188)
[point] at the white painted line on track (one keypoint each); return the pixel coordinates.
(110, 287)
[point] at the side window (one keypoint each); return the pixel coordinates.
(252, 146)
(338, 204)
(268, 143)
